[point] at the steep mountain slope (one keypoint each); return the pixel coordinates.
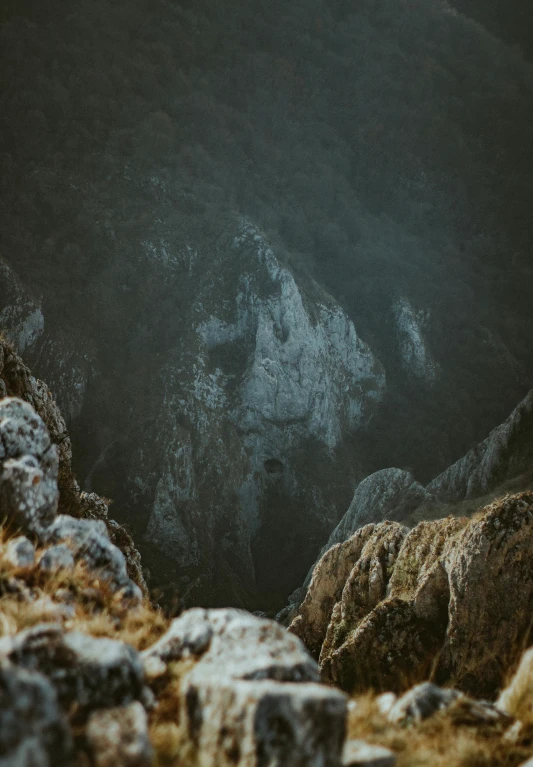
(380, 151)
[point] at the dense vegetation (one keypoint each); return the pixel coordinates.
(385, 145)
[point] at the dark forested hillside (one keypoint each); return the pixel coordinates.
(384, 148)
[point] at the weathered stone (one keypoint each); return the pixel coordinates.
(89, 671)
(367, 582)
(89, 541)
(249, 692)
(91, 506)
(245, 646)
(504, 454)
(58, 557)
(19, 552)
(358, 753)
(118, 737)
(386, 494)
(421, 702)
(444, 597)
(327, 583)
(28, 476)
(264, 724)
(33, 729)
(42, 434)
(486, 609)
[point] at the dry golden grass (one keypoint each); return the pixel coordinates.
(447, 739)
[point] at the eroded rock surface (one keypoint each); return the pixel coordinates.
(448, 593)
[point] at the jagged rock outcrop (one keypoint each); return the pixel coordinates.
(394, 494)
(227, 687)
(372, 550)
(449, 593)
(415, 356)
(506, 453)
(386, 494)
(29, 497)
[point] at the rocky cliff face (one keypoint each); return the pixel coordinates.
(247, 427)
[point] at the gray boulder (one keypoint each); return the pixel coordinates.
(88, 671)
(33, 729)
(28, 476)
(89, 541)
(249, 692)
(421, 702)
(358, 753)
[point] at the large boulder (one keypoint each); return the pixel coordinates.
(249, 692)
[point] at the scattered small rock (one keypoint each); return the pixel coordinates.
(358, 753)
(89, 541)
(421, 702)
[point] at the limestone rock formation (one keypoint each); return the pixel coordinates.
(52, 439)
(29, 496)
(394, 494)
(258, 400)
(386, 494)
(448, 594)
(369, 554)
